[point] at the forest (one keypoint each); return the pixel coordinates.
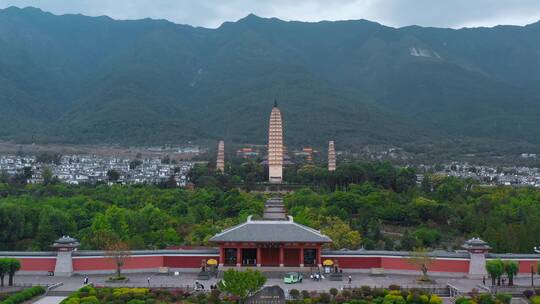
(371, 204)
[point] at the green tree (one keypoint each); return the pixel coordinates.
(511, 269)
(495, 269)
(12, 223)
(118, 252)
(52, 224)
(13, 266)
(241, 283)
(47, 175)
(4, 269)
(421, 258)
(135, 163)
(341, 234)
(113, 175)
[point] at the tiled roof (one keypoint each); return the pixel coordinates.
(271, 231)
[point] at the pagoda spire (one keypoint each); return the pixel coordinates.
(275, 146)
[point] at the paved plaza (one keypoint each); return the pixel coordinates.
(188, 280)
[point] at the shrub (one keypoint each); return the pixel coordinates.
(88, 289)
(366, 290)
(346, 293)
(462, 300)
(201, 296)
(71, 300)
(295, 293)
(324, 297)
(535, 300)
(435, 299)
(214, 295)
(24, 295)
(394, 297)
(394, 287)
(528, 293)
(379, 292)
(334, 291)
(357, 294)
(485, 298)
(505, 298)
(305, 294)
(378, 300)
(417, 298)
(136, 301)
(91, 300)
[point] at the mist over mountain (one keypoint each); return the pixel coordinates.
(78, 79)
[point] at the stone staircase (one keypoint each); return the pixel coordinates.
(274, 209)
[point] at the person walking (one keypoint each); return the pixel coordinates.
(148, 280)
(350, 279)
(85, 280)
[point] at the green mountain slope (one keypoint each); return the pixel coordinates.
(82, 79)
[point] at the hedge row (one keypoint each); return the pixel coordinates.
(24, 295)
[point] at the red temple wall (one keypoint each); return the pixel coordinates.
(355, 262)
(37, 264)
(397, 263)
(106, 263)
(442, 265)
(270, 257)
(187, 261)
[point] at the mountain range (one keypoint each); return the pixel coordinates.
(95, 80)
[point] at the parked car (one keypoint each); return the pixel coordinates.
(292, 277)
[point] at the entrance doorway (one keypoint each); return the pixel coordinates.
(310, 257)
(270, 256)
(249, 256)
(291, 257)
(230, 256)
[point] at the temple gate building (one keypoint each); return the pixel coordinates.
(275, 146)
(275, 240)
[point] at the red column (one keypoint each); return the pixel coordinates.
(301, 256)
(259, 257)
(319, 262)
(281, 264)
(221, 256)
(238, 257)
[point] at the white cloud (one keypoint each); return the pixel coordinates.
(211, 13)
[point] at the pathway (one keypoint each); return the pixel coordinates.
(49, 300)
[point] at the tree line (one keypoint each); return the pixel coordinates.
(375, 205)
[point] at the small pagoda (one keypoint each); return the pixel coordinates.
(66, 243)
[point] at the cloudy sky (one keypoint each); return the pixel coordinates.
(211, 13)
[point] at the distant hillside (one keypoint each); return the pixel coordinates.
(82, 79)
